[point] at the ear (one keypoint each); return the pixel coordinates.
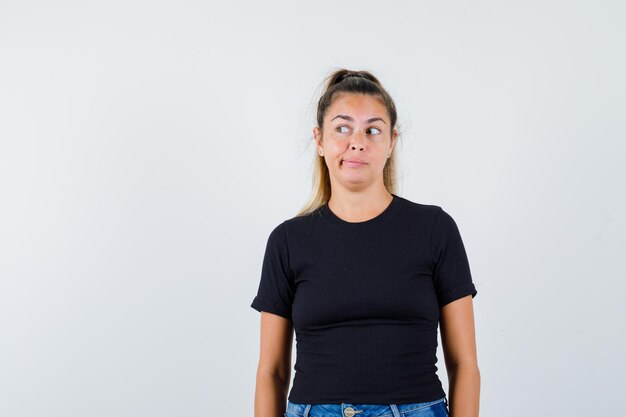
(394, 139)
(317, 135)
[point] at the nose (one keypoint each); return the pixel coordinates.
(357, 142)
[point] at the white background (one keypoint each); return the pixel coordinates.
(147, 149)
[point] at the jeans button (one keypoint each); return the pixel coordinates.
(349, 412)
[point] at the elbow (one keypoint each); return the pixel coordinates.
(468, 364)
(278, 374)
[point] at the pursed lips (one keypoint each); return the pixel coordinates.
(353, 163)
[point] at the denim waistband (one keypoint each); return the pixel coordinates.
(356, 410)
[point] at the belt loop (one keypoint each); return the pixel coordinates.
(306, 410)
(394, 410)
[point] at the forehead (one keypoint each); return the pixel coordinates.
(358, 105)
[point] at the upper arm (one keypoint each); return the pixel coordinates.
(457, 332)
(452, 277)
(455, 291)
(276, 344)
(274, 299)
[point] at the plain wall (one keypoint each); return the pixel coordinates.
(147, 149)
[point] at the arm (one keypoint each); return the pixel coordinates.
(459, 348)
(274, 369)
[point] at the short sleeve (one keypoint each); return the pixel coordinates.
(276, 287)
(452, 276)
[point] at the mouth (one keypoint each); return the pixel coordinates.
(353, 164)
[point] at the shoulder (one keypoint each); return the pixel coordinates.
(430, 211)
(302, 223)
(432, 216)
(294, 227)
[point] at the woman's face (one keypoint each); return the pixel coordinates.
(356, 140)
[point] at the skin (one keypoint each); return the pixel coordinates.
(274, 370)
(458, 341)
(358, 194)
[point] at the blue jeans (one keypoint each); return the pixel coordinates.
(437, 408)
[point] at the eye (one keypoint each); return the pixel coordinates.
(339, 127)
(377, 130)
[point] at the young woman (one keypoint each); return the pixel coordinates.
(364, 277)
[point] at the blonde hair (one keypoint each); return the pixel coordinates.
(347, 81)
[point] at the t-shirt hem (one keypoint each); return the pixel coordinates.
(458, 292)
(371, 400)
(261, 304)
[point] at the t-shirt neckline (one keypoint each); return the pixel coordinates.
(385, 215)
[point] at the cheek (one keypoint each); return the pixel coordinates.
(336, 148)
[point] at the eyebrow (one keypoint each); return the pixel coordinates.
(343, 116)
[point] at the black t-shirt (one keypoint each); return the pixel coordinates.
(364, 299)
